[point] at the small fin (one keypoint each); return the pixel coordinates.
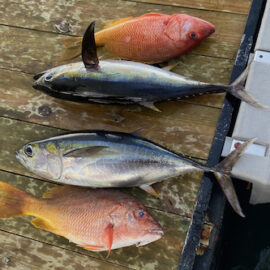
(138, 132)
(237, 89)
(171, 67)
(89, 50)
(222, 172)
(150, 190)
(44, 225)
(91, 247)
(72, 48)
(110, 23)
(14, 202)
(150, 105)
(108, 238)
(93, 151)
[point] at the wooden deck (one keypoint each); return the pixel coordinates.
(30, 43)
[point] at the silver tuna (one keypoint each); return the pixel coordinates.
(111, 159)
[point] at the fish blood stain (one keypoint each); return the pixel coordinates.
(236, 145)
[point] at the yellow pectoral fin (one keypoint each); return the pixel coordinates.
(110, 23)
(44, 225)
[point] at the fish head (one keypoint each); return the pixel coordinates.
(42, 159)
(188, 29)
(44, 80)
(137, 226)
(58, 79)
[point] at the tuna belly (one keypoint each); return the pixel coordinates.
(122, 173)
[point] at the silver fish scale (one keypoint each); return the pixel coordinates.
(133, 162)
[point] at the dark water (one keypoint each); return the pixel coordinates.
(247, 240)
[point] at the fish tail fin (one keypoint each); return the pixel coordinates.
(237, 89)
(14, 202)
(72, 47)
(222, 172)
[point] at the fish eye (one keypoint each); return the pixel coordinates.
(192, 35)
(48, 78)
(139, 213)
(28, 150)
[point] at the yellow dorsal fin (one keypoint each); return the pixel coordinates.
(57, 191)
(110, 23)
(44, 225)
(152, 14)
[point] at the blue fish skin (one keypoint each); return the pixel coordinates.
(119, 82)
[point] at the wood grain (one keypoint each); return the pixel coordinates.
(162, 254)
(21, 253)
(79, 13)
(182, 127)
(231, 6)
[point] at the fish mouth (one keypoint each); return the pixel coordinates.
(20, 157)
(158, 232)
(43, 88)
(210, 30)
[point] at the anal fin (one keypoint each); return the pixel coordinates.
(150, 190)
(45, 225)
(150, 105)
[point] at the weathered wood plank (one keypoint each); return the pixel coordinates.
(240, 6)
(43, 16)
(162, 254)
(20, 253)
(178, 195)
(181, 127)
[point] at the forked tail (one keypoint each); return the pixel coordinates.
(72, 48)
(14, 202)
(237, 89)
(222, 172)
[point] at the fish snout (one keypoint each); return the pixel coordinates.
(211, 29)
(157, 229)
(208, 30)
(20, 157)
